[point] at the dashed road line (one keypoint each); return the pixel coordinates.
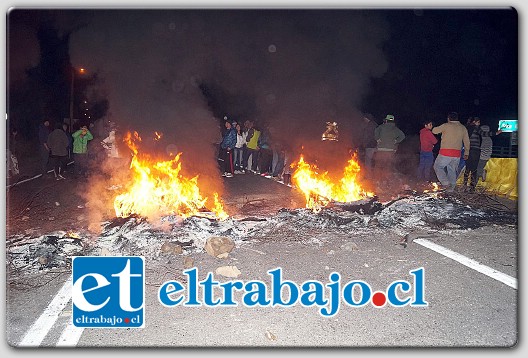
(466, 261)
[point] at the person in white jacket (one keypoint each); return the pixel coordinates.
(239, 149)
(109, 143)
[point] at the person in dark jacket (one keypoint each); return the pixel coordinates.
(226, 149)
(58, 144)
(486, 148)
(66, 129)
(265, 153)
(44, 131)
(475, 140)
(368, 142)
(388, 136)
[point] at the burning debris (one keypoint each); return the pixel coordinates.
(157, 186)
(320, 189)
(162, 239)
(331, 132)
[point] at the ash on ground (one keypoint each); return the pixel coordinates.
(136, 236)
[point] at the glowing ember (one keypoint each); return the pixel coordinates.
(435, 188)
(73, 234)
(157, 136)
(158, 188)
(319, 189)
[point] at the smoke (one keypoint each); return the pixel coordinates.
(290, 70)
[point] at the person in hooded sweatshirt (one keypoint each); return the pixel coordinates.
(387, 136)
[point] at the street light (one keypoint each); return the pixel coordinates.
(81, 71)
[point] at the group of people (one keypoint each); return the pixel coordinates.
(248, 147)
(58, 145)
(462, 148)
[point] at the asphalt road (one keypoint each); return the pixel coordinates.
(466, 308)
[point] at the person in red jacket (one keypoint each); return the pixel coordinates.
(427, 142)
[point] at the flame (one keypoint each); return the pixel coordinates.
(72, 234)
(319, 189)
(158, 187)
(434, 189)
(157, 136)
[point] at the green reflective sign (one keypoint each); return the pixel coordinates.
(508, 125)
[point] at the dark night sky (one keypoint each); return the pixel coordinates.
(290, 69)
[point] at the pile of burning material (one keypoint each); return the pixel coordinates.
(175, 237)
(320, 189)
(158, 187)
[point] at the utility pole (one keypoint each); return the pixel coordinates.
(72, 84)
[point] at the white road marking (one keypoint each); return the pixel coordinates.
(32, 178)
(475, 265)
(70, 336)
(38, 331)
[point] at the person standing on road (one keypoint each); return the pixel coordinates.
(388, 136)
(239, 149)
(454, 135)
(265, 153)
(476, 136)
(226, 147)
(368, 142)
(44, 131)
(66, 129)
(81, 138)
(486, 148)
(13, 154)
(251, 147)
(473, 128)
(427, 142)
(58, 143)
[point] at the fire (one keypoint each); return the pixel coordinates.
(434, 190)
(157, 136)
(319, 189)
(158, 187)
(72, 234)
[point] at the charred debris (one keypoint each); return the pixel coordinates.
(173, 235)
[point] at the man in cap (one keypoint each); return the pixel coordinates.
(387, 136)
